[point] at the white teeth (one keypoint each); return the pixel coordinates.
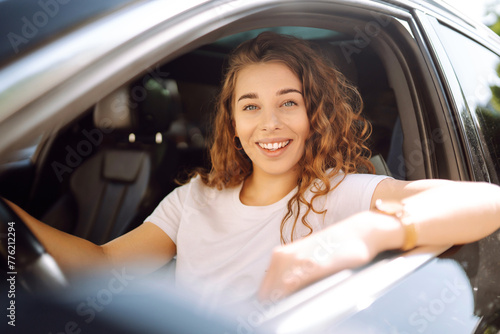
(274, 146)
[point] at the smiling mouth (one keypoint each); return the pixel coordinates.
(274, 146)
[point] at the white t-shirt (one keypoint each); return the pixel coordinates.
(224, 246)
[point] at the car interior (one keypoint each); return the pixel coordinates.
(101, 175)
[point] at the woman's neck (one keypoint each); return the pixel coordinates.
(261, 189)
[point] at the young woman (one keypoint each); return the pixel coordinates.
(288, 145)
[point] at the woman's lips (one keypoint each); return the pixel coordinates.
(273, 146)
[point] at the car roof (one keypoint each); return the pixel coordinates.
(444, 10)
(24, 24)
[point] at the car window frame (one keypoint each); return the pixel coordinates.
(478, 125)
(462, 120)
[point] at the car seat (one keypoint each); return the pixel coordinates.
(117, 187)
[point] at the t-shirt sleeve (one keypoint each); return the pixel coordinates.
(168, 213)
(353, 195)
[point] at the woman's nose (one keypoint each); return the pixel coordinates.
(271, 119)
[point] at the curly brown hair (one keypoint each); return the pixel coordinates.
(337, 130)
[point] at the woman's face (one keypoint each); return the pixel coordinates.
(270, 117)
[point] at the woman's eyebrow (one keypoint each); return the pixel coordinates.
(248, 96)
(278, 93)
(287, 90)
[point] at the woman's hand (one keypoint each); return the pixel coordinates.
(444, 213)
(347, 244)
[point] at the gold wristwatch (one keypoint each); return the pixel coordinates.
(397, 210)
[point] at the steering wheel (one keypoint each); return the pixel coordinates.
(23, 255)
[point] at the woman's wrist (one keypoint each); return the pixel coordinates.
(379, 232)
(387, 232)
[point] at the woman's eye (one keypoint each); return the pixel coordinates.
(289, 104)
(250, 107)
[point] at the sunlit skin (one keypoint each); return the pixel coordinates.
(271, 122)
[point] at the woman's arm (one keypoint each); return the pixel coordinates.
(443, 213)
(147, 245)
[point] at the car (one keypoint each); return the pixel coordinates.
(103, 105)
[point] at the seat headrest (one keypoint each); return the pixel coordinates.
(159, 107)
(146, 107)
(114, 111)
